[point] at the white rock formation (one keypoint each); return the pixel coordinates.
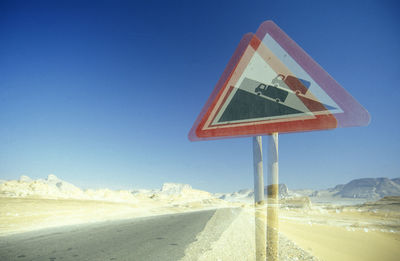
(55, 188)
(52, 187)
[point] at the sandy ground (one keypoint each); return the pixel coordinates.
(336, 243)
(26, 214)
(322, 232)
(344, 233)
(231, 237)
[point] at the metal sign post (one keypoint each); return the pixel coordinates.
(273, 199)
(266, 233)
(258, 171)
(259, 215)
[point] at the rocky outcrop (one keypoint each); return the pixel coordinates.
(370, 188)
(54, 188)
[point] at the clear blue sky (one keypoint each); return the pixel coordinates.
(104, 93)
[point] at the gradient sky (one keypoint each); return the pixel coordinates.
(104, 93)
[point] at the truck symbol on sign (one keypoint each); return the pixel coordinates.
(272, 92)
(297, 85)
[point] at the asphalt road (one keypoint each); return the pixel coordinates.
(153, 238)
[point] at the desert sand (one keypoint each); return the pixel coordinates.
(316, 233)
(27, 214)
(344, 233)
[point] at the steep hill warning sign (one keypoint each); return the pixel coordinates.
(271, 85)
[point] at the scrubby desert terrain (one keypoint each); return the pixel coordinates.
(311, 227)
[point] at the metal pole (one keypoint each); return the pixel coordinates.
(258, 170)
(273, 199)
(260, 220)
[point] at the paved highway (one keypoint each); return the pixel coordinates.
(152, 238)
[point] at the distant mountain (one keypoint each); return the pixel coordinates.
(181, 191)
(366, 188)
(396, 180)
(244, 195)
(370, 188)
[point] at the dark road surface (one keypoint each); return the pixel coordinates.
(152, 238)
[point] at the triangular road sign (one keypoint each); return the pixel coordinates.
(271, 85)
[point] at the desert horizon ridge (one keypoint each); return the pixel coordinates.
(313, 225)
(355, 191)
